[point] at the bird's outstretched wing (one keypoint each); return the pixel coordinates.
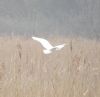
(43, 42)
(59, 47)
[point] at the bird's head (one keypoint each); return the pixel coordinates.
(47, 51)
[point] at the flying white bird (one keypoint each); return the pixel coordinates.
(48, 47)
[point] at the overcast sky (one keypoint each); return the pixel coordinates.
(66, 17)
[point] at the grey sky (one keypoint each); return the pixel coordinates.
(77, 17)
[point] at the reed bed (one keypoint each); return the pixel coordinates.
(72, 72)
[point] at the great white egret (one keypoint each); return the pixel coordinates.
(48, 47)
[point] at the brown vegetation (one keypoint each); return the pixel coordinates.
(72, 72)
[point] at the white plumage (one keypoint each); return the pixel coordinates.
(48, 47)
